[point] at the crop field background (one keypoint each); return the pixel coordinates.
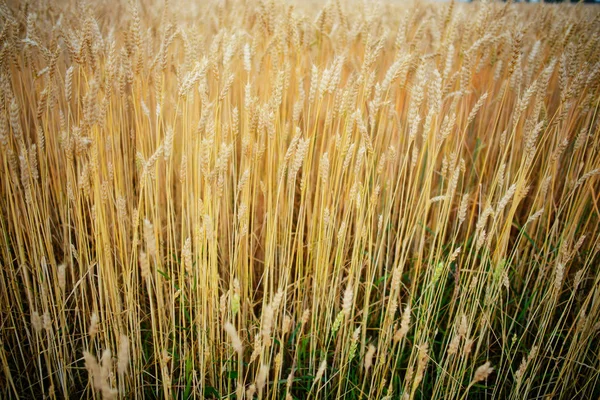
(268, 199)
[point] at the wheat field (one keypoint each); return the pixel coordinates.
(268, 199)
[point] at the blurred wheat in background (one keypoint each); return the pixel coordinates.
(287, 200)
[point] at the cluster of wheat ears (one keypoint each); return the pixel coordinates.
(261, 199)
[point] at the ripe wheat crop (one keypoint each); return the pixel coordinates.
(268, 199)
